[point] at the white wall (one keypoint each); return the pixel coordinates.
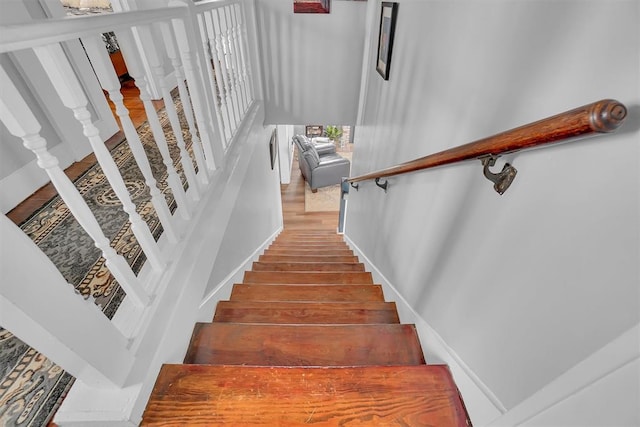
(311, 62)
(257, 213)
(521, 287)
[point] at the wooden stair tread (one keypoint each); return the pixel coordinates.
(284, 396)
(306, 312)
(258, 292)
(308, 232)
(304, 345)
(288, 277)
(307, 338)
(308, 258)
(310, 239)
(307, 266)
(294, 252)
(309, 245)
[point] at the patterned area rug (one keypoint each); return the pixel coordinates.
(326, 199)
(32, 387)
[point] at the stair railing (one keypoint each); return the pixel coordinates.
(223, 38)
(599, 117)
(205, 131)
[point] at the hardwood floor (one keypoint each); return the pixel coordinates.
(136, 111)
(295, 218)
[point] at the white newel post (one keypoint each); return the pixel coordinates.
(38, 306)
(204, 104)
(21, 122)
(170, 47)
(109, 81)
(170, 108)
(132, 60)
(70, 91)
(244, 53)
(215, 80)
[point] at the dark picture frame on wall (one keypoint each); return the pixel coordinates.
(273, 147)
(311, 6)
(388, 16)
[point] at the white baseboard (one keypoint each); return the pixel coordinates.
(223, 289)
(25, 181)
(483, 406)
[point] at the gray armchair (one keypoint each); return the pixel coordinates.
(320, 170)
(303, 143)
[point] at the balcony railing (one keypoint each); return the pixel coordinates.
(205, 47)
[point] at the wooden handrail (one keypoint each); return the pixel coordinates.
(599, 117)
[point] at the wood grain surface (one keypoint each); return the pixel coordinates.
(198, 395)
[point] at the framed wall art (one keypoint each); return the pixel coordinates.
(388, 15)
(273, 147)
(311, 6)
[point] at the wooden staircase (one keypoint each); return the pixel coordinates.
(307, 338)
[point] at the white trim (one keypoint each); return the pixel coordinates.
(22, 183)
(482, 405)
(604, 362)
(208, 304)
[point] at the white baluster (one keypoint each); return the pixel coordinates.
(170, 108)
(208, 42)
(194, 69)
(21, 122)
(169, 44)
(109, 81)
(30, 282)
(62, 77)
(223, 52)
(237, 39)
(131, 57)
(246, 71)
(235, 63)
